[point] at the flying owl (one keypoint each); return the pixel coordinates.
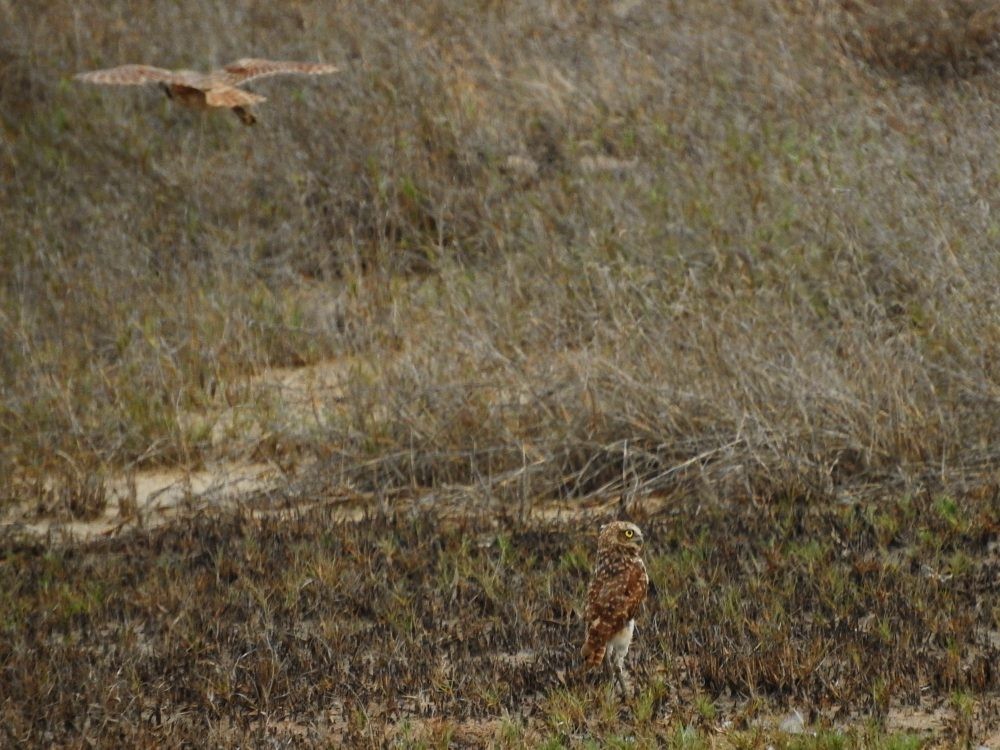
(616, 590)
(204, 90)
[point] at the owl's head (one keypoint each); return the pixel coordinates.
(621, 534)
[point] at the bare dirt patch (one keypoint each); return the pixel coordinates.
(148, 499)
(297, 398)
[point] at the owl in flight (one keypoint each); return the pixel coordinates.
(218, 88)
(616, 590)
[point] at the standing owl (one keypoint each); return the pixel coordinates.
(613, 598)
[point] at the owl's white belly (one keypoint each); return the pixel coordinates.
(618, 643)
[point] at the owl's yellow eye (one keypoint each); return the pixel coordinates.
(629, 533)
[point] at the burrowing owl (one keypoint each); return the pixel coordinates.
(616, 590)
(204, 90)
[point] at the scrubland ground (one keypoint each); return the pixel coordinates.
(729, 269)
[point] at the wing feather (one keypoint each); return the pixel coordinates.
(129, 75)
(249, 68)
(227, 96)
(612, 600)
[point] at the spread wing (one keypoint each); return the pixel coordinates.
(612, 600)
(249, 68)
(133, 75)
(227, 96)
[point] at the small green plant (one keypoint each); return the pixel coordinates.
(904, 741)
(963, 706)
(686, 738)
(705, 708)
(511, 732)
(648, 699)
(565, 711)
(948, 510)
(553, 743)
(824, 740)
(881, 695)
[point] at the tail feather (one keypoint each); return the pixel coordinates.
(593, 654)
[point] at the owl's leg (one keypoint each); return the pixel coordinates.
(620, 678)
(613, 659)
(609, 661)
(616, 666)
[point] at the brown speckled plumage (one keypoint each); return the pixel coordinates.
(616, 591)
(204, 90)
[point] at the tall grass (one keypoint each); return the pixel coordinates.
(582, 244)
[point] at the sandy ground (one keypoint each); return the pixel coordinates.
(151, 497)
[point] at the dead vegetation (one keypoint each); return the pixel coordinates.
(939, 38)
(792, 256)
(425, 625)
(735, 262)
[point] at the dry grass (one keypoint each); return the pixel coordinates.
(729, 252)
(783, 262)
(956, 37)
(424, 626)
(727, 234)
